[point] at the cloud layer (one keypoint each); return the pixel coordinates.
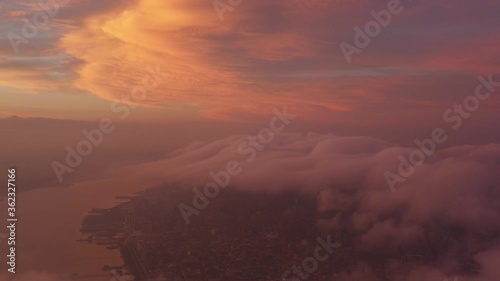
(264, 53)
(447, 212)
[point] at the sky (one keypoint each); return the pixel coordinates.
(237, 64)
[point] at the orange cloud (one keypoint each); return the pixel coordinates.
(264, 54)
(206, 64)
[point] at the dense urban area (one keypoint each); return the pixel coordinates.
(239, 236)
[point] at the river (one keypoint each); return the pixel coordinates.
(49, 222)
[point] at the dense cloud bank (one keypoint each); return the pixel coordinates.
(442, 221)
